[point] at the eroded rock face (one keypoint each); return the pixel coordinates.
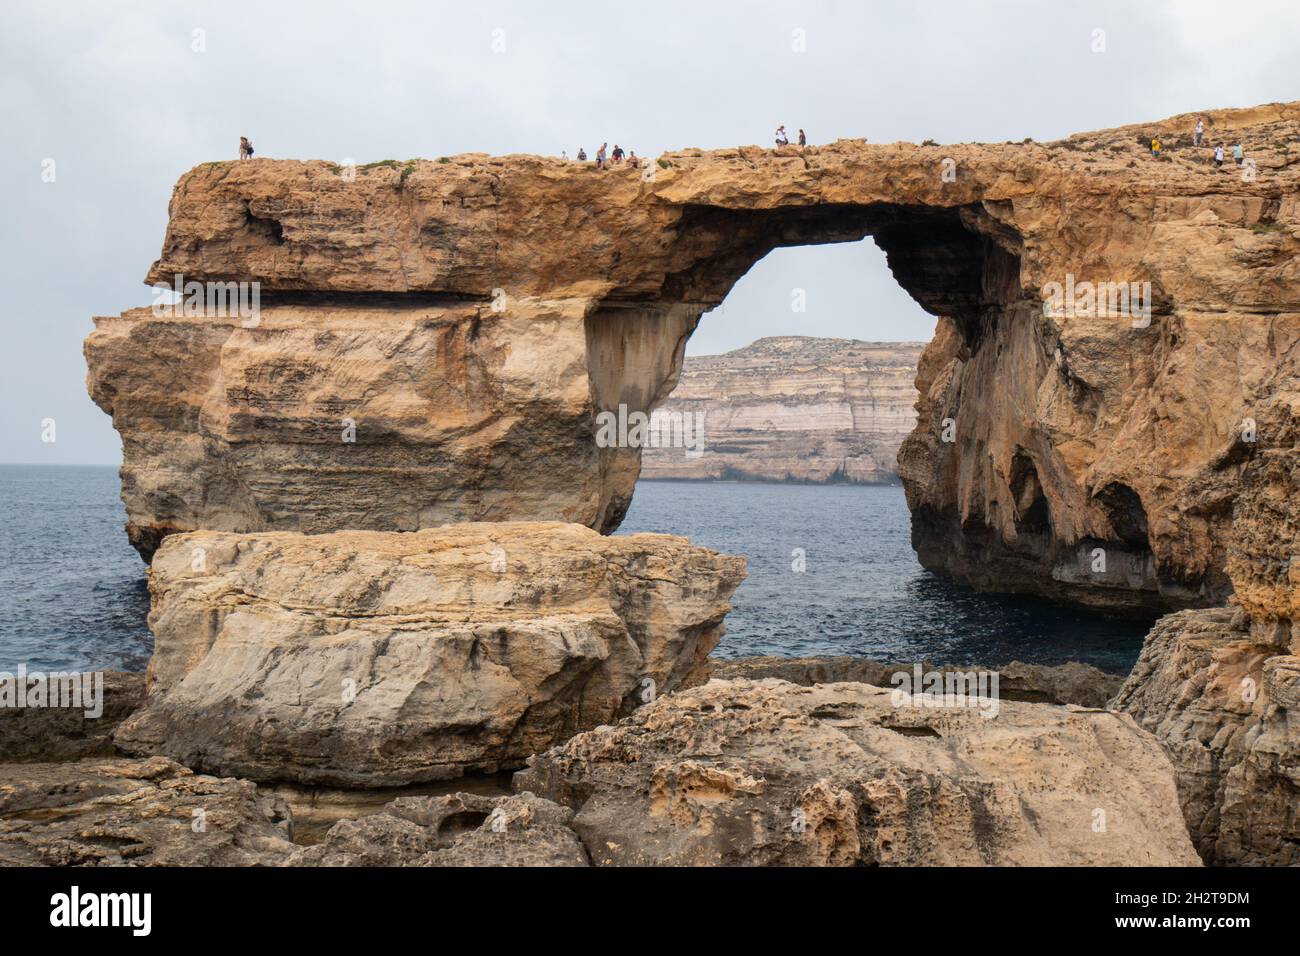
(356, 415)
(767, 772)
(120, 812)
(461, 829)
(793, 408)
(1068, 432)
(1224, 699)
(370, 659)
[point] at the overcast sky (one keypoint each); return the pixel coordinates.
(117, 95)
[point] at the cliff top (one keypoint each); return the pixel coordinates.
(797, 350)
(689, 223)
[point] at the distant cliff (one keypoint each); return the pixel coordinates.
(795, 408)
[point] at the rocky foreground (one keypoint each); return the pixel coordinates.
(794, 408)
(754, 761)
(734, 772)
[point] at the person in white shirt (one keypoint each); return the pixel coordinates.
(1200, 131)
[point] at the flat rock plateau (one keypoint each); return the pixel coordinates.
(377, 513)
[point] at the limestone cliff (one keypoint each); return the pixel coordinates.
(472, 315)
(794, 408)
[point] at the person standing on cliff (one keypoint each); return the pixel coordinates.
(1218, 154)
(617, 155)
(1200, 131)
(1238, 155)
(600, 156)
(803, 140)
(781, 138)
(582, 155)
(245, 148)
(1155, 147)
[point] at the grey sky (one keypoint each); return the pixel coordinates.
(115, 94)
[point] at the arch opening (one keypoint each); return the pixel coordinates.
(833, 565)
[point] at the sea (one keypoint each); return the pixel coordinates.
(831, 571)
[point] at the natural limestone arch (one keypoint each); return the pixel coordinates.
(474, 313)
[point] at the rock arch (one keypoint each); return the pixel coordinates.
(472, 314)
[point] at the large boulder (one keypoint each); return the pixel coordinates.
(122, 812)
(1223, 698)
(368, 659)
(771, 773)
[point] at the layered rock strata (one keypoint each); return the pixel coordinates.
(1040, 438)
(370, 659)
(793, 408)
(770, 773)
(119, 812)
(1072, 683)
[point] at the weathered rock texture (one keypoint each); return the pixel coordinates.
(116, 812)
(1224, 699)
(1072, 683)
(767, 772)
(371, 659)
(460, 829)
(794, 408)
(533, 293)
(66, 733)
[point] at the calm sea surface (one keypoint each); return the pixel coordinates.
(862, 591)
(72, 591)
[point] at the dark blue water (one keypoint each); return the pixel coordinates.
(863, 592)
(73, 595)
(72, 590)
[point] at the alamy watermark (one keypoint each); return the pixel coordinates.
(130, 910)
(659, 429)
(211, 300)
(1098, 300)
(951, 688)
(71, 689)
